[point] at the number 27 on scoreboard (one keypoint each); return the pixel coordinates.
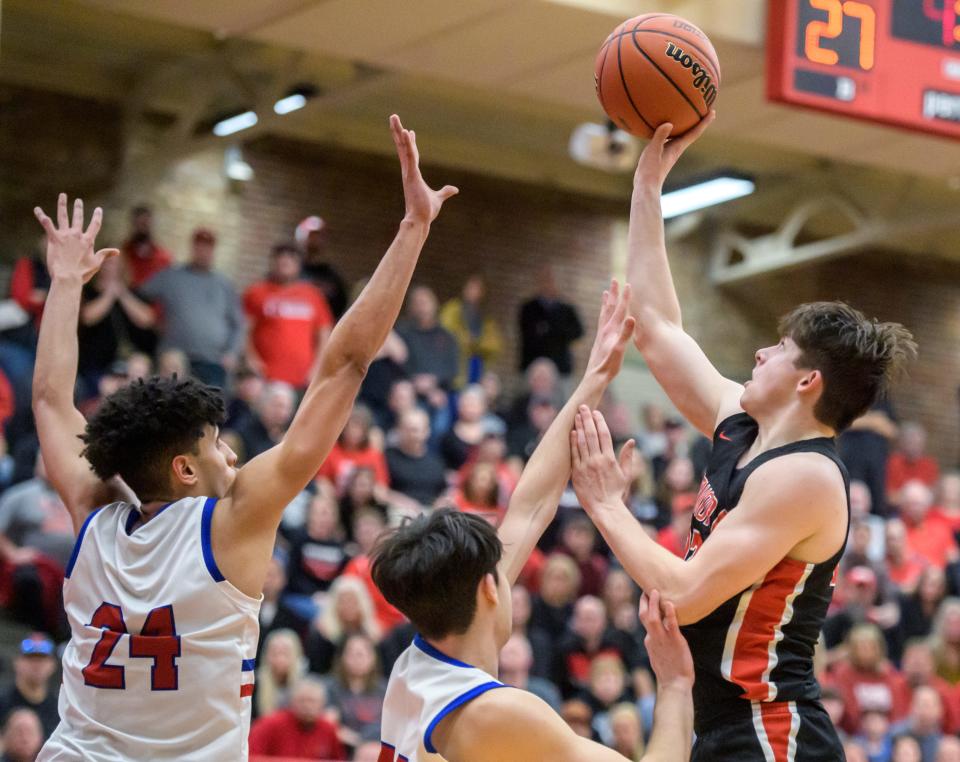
(838, 13)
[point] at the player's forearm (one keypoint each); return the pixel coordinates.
(672, 723)
(651, 566)
(533, 504)
(55, 372)
(358, 336)
(648, 270)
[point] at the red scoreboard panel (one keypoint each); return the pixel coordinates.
(890, 61)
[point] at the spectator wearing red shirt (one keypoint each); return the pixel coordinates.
(867, 681)
(299, 731)
(354, 449)
(675, 536)
(289, 321)
(903, 564)
(367, 528)
(910, 462)
(29, 284)
(142, 256)
(947, 509)
(929, 538)
(918, 668)
(480, 493)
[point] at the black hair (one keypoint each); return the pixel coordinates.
(430, 567)
(139, 429)
(286, 247)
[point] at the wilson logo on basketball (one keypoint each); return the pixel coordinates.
(701, 78)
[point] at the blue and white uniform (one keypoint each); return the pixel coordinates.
(425, 686)
(161, 655)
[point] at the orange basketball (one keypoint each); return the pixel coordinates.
(657, 68)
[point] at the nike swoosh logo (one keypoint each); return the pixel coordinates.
(725, 437)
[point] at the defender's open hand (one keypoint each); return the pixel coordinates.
(70, 248)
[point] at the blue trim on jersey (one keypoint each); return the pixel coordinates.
(205, 521)
(437, 654)
(135, 516)
(76, 545)
(456, 704)
(248, 665)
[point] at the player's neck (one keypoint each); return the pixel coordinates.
(785, 426)
(478, 649)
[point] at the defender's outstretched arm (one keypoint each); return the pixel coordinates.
(533, 504)
(701, 394)
(71, 261)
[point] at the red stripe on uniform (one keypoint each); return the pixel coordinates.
(752, 651)
(246, 690)
(776, 724)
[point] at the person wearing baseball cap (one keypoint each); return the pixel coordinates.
(33, 668)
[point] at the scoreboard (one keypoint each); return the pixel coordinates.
(890, 61)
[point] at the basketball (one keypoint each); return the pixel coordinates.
(657, 68)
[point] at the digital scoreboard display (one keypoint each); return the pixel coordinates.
(890, 61)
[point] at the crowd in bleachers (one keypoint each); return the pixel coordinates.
(433, 427)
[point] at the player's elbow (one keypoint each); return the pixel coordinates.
(691, 607)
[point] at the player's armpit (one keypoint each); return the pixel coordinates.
(694, 385)
(510, 725)
(793, 506)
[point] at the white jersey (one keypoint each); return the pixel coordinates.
(425, 686)
(161, 655)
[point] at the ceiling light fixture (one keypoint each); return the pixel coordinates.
(235, 123)
(718, 188)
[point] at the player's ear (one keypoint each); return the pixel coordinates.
(184, 470)
(811, 383)
(488, 589)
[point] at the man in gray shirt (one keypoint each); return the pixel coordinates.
(201, 312)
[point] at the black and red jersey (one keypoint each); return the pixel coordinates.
(758, 646)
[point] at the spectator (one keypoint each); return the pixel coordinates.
(173, 362)
(606, 688)
(414, 471)
(857, 599)
(516, 660)
(929, 538)
(579, 716)
(677, 448)
(112, 317)
(386, 370)
(318, 555)
(33, 670)
(918, 669)
(945, 640)
(540, 643)
(588, 637)
(272, 415)
(477, 334)
(620, 595)
(523, 439)
(854, 752)
(626, 730)
(283, 666)
(368, 751)
(362, 495)
(367, 528)
(542, 386)
(865, 449)
(875, 736)
(552, 608)
(578, 539)
(548, 326)
(29, 284)
(348, 610)
(676, 535)
(925, 721)
(142, 256)
(355, 448)
(903, 564)
(275, 614)
(460, 443)
(910, 462)
(433, 358)
(299, 731)
(861, 511)
(677, 488)
(312, 236)
(201, 312)
(867, 681)
(947, 509)
(356, 690)
(949, 750)
(22, 736)
(289, 321)
(247, 389)
(33, 520)
(906, 749)
(480, 493)
(918, 609)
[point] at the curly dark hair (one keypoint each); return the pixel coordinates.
(139, 429)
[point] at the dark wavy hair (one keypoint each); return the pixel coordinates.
(858, 356)
(429, 568)
(139, 429)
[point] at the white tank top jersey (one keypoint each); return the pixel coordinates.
(161, 655)
(425, 686)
